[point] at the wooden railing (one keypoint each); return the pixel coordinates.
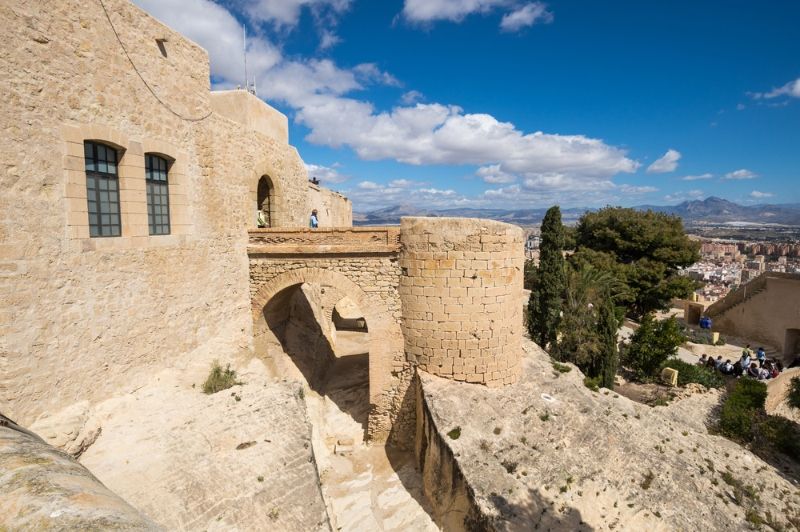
(327, 240)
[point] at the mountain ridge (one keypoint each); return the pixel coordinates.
(711, 210)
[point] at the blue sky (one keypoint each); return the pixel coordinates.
(515, 103)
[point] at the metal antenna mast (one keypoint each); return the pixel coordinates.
(244, 50)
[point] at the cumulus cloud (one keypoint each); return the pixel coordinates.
(411, 97)
(287, 12)
(742, 173)
(632, 190)
(517, 15)
(697, 177)
(525, 16)
(369, 195)
(370, 73)
(325, 174)
(667, 163)
(495, 175)
(790, 89)
(758, 195)
(320, 93)
(684, 196)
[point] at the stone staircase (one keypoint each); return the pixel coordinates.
(745, 292)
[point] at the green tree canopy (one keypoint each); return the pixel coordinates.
(643, 249)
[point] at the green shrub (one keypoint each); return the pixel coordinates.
(651, 344)
(592, 384)
(741, 409)
(219, 379)
(793, 397)
(561, 368)
(693, 373)
(780, 433)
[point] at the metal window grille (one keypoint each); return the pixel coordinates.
(157, 194)
(102, 189)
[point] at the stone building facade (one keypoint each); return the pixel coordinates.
(128, 235)
(85, 316)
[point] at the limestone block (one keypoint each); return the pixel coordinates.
(669, 376)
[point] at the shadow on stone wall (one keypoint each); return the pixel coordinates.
(292, 319)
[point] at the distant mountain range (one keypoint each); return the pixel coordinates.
(711, 210)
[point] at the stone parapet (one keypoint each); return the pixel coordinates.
(461, 293)
(328, 240)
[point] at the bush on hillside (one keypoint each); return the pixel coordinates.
(693, 373)
(793, 397)
(742, 409)
(651, 344)
(219, 379)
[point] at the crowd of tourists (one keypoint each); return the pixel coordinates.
(756, 366)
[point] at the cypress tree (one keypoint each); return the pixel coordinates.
(547, 295)
(607, 325)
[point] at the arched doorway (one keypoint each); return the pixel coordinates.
(265, 200)
(384, 341)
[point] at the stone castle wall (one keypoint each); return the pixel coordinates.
(461, 290)
(86, 317)
(334, 210)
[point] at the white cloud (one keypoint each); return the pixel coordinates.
(369, 195)
(667, 163)
(697, 177)
(517, 15)
(526, 16)
(453, 10)
(757, 194)
(286, 13)
(494, 174)
(411, 97)
(370, 73)
(740, 174)
(325, 174)
(740, 107)
(319, 92)
(684, 196)
(791, 89)
(636, 190)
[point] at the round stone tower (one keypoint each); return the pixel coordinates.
(461, 294)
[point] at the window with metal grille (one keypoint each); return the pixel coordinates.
(157, 194)
(102, 189)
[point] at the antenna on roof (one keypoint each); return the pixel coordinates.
(244, 52)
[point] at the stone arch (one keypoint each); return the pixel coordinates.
(266, 169)
(385, 335)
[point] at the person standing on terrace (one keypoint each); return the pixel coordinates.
(314, 223)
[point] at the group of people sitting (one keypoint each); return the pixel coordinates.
(758, 367)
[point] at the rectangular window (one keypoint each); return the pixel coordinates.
(157, 194)
(102, 189)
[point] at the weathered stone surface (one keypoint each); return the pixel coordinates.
(238, 459)
(42, 488)
(549, 452)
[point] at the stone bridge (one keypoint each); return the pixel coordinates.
(442, 295)
(358, 262)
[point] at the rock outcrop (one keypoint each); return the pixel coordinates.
(42, 488)
(548, 453)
